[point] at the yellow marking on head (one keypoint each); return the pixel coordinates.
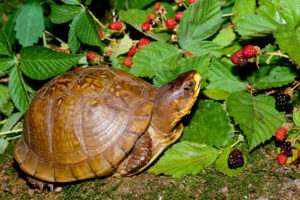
(197, 79)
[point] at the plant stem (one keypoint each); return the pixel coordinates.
(12, 138)
(11, 131)
(23, 83)
(3, 121)
(96, 19)
(44, 40)
(235, 143)
(277, 53)
(228, 15)
(296, 86)
(58, 39)
(185, 5)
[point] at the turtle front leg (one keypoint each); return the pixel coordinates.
(138, 157)
(35, 183)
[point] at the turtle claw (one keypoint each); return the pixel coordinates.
(39, 185)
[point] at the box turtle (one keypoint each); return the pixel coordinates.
(101, 121)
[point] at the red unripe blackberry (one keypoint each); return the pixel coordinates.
(78, 68)
(235, 57)
(281, 134)
(157, 6)
(171, 23)
(192, 1)
(281, 159)
(152, 16)
(116, 26)
(132, 51)
(91, 56)
(235, 159)
(146, 26)
(143, 42)
(128, 62)
(298, 153)
(249, 51)
(179, 1)
(178, 15)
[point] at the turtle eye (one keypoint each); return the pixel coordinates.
(189, 85)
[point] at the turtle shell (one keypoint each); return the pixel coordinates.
(83, 123)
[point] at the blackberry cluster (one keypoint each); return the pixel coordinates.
(286, 148)
(282, 100)
(235, 159)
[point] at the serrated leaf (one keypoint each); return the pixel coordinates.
(291, 11)
(209, 125)
(123, 46)
(30, 23)
(256, 116)
(242, 8)
(198, 63)
(72, 38)
(63, 13)
(9, 29)
(137, 3)
(136, 18)
(118, 64)
(271, 76)
(185, 158)
(12, 121)
(206, 47)
(3, 145)
(216, 94)
(154, 57)
(222, 164)
(4, 45)
(72, 2)
(221, 78)
(86, 30)
(225, 37)
(17, 90)
(288, 39)
(6, 63)
(200, 21)
(41, 63)
(296, 116)
(6, 106)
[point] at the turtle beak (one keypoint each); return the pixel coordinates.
(197, 79)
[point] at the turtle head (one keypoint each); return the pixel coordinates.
(175, 100)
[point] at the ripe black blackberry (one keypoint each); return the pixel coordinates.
(286, 148)
(235, 159)
(282, 100)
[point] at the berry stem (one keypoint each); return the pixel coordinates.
(236, 142)
(44, 40)
(11, 131)
(296, 86)
(3, 121)
(184, 5)
(4, 80)
(276, 53)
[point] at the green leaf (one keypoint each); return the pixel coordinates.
(136, 18)
(255, 25)
(72, 2)
(3, 145)
(137, 3)
(12, 121)
(123, 46)
(9, 29)
(72, 38)
(290, 11)
(271, 76)
(209, 125)
(156, 56)
(200, 21)
(216, 94)
(118, 63)
(167, 6)
(30, 23)
(221, 78)
(296, 116)
(86, 30)
(198, 63)
(206, 47)
(4, 45)
(288, 39)
(6, 106)
(41, 63)
(256, 116)
(222, 164)
(17, 90)
(225, 37)
(185, 158)
(242, 8)
(63, 13)
(6, 63)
